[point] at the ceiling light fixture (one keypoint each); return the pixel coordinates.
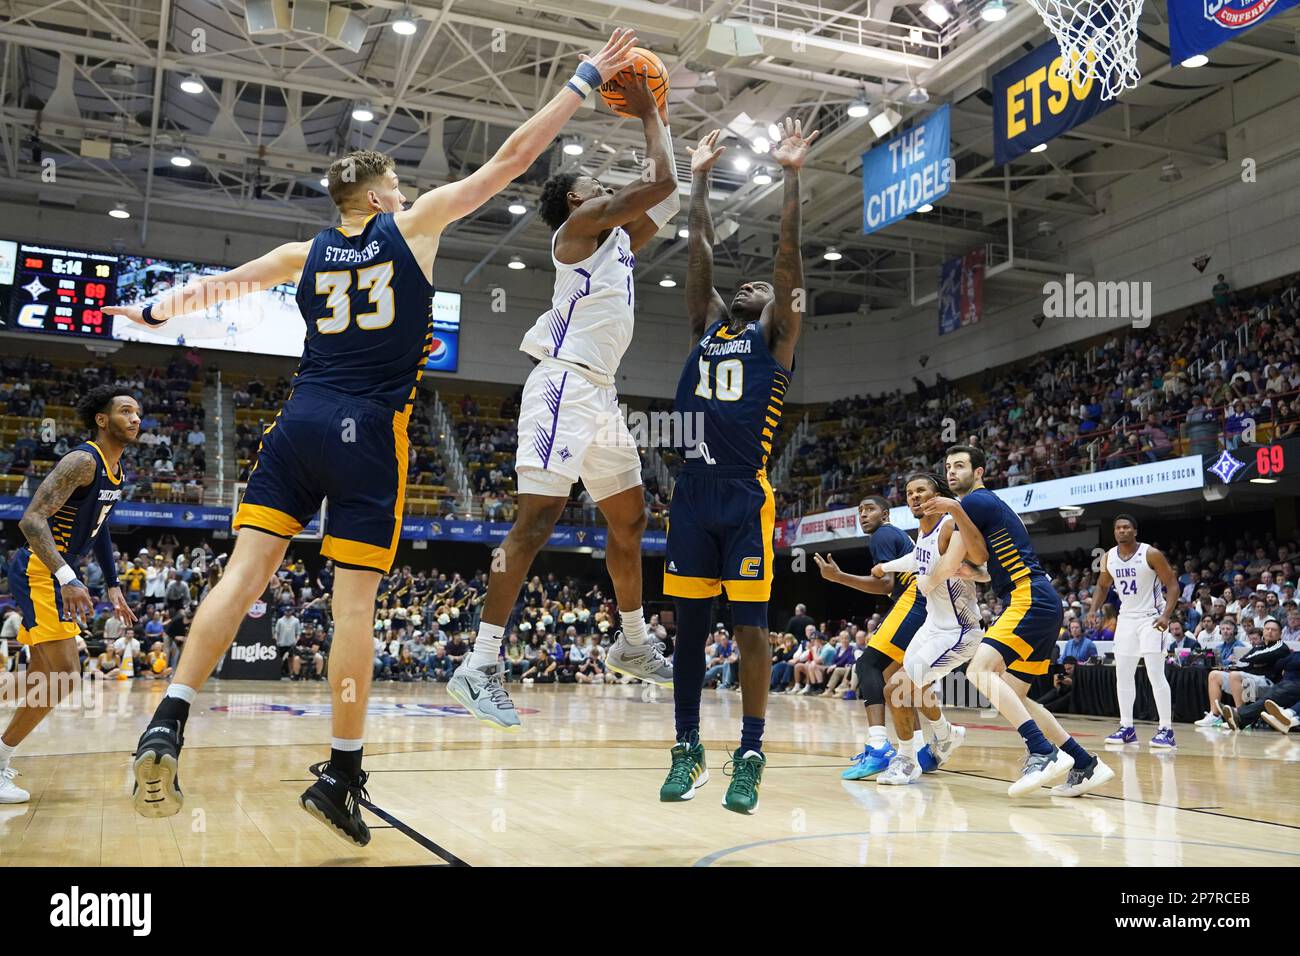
(1196, 62)
(362, 113)
(119, 211)
(859, 107)
(761, 176)
(192, 85)
(936, 12)
(404, 25)
(925, 207)
(572, 147)
(668, 282)
(1040, 148)
(994, 11)
(832, 254)
(516, 263)
(517, 207)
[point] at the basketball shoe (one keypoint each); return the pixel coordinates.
(157, 790)
(902, 770)
(1040, 770)
(746, 772)
(335, 800)
(479, 691)
(645, 661)
(871, 761)
(688, 771)
(1082, 781)
(9, 791)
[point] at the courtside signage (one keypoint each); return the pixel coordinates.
(1155, 478)
(906, 172)
(1033, 103)
(1198, 26)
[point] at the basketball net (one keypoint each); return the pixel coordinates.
(1098, 41)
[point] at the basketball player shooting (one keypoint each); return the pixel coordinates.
(365, 291)
(570, 426)
(723, 512)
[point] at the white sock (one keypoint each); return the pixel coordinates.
(876, 737)
(941, 728)
(186, 694)
(918, 741)
(342, 743)
(1126, 679)
(1160, 689)
(5, 753)
(634, 626)
(909, 746)
(487, 645)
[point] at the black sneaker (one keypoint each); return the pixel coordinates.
(157, 790)
(1229, 715)
(334, 800)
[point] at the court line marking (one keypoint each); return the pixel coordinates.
(711, 858)
(450, 858)
(1145, 803)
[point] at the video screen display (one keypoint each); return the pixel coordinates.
(265, 321)
(63, 290)
(445, 354)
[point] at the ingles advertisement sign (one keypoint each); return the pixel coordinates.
(1198, 26)
(1033, 103)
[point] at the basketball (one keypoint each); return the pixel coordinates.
(612, 93)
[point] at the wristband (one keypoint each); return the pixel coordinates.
(584, 79)
(64, 575)
(148, 319)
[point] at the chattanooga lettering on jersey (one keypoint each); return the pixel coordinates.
(335, 254)
(736, 346)
(110, 494)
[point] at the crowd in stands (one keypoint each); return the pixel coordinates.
(1177, 387)
(38, 423)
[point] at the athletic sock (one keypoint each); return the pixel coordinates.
(877, 738)
(1081, 757)
(345, 756)
(918, 741)
(1034, 739)
(634, 626)
(487, 646)
(6, 752)
(175, 704)
(941, 728)
(693, 616)
(751, 734)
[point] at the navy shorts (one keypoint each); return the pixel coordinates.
(720, 536)
(1027, 630)
(324, 444)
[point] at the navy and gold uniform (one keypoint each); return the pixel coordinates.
(723, 512)
(908, 613)
(79, 524)
(342, 433)
(1026, 631)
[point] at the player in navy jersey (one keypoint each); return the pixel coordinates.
(66, 518)
(365, 290)
(723, 513)
(1022, 641)
(887, 646)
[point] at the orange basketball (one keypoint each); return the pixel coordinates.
(657, 77)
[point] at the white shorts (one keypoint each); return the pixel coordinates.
(1252, 685)
(936, 651)
(1135, 636)
(571, 428)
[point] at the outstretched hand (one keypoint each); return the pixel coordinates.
(793, 148)
(706, 153)
(615, 56)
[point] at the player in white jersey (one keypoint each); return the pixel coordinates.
(1148, 591)
(570, 425)
(946, 640)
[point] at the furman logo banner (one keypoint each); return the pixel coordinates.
(1033, 104)
(1198, 26)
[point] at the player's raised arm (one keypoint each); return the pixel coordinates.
(703, 304)
(74, 470)
(432, 212)
(282, 264)
(785, 321)
(644, 204)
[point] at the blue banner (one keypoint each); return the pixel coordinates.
(950, 296)
(490, 533)
(906, 172)
(1198, 26)
(1033, 104)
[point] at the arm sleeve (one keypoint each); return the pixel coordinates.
(906, 563)
(669, 207)
(104, 556)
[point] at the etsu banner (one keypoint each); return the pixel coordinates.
(904, 173)
(961, 291)
(1198, 26)
(1033, 104)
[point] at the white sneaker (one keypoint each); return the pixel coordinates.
(1209, 720)
(1041, 770)
(942, 749)
(9, 792)
(902, 770)
(1080, 782)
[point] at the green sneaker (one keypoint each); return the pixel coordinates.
(746, 772)
(688, 772)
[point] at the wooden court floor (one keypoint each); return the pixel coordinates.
(580, 786)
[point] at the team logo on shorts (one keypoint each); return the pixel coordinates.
(750, 567)
(1236, 14)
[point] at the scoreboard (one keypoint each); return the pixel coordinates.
(64, 290)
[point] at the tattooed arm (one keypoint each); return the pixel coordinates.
(703, 304)
(74, 470)
(784, 321)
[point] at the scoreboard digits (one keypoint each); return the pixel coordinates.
(64, 291)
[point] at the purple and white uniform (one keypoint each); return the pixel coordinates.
(1141, 601)
(951, 632)
(570, 423)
